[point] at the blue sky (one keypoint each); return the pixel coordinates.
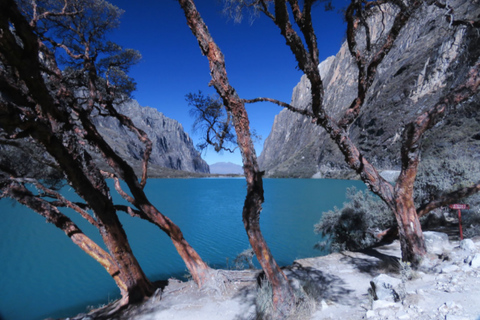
(258, 61)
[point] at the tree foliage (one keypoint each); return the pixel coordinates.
(213, 121)
(57, 72)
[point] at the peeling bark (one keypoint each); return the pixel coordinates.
(283, 298)
(400, 198)
(18, 192)
(47, 120)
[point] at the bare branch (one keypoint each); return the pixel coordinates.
(287, 106)
(67, 203)
(367, 67)
(449, 198)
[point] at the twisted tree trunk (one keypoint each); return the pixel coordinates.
(283, 297)
(31, 110)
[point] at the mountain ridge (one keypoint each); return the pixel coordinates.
(173, 153)
(425, 62)
(172, 147)
(225, 168)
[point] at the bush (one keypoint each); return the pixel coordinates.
(244, 260)
(353, 227)
(438, 176)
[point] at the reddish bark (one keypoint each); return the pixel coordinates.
(18, 192)
(46, 120)
(197, 267)
(400, 198)
(89, 182)
(283, 298)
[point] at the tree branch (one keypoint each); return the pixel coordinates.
(367, 70)
(287, 106)
(67, 203)
(18, 192)
(449, 198)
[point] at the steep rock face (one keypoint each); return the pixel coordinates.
(172, 147)
(418, 71)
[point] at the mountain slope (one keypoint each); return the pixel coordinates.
(173, 153)
(172, 147)
(420, 69)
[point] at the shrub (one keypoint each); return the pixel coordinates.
(353, 227)
(244, 260)
(442, 175)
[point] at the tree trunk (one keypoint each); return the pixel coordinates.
(195, 265)
(283, 297)
(53, 215)
(49, 124)
(93, 189)
(410, 231)
(198, 269)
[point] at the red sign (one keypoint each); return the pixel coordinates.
(459, 206)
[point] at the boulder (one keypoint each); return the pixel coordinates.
(468, 245)
(475, 263)
(436, 242)
(386, 288)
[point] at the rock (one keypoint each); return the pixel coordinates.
(436, 242)
(475, 263)
(384, 287)
(324, 304)
(417, 72)
(459, 255)
(402, 315)
(370, 314)
(172, 147)
(450, 268)
(450, 308)
(456, 317)
(382, 304)
(468, 245)
(466, 268)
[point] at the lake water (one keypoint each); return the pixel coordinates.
(43, 274)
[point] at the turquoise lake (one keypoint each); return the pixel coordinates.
(43, 274)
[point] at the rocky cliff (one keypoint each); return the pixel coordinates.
(421, 68)
(172, 147)
(173, 153)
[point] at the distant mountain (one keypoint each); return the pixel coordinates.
(226, 168)
(425, 62)
(172, 147)
(173, 154)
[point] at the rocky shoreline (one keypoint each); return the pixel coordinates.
(372, 284)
